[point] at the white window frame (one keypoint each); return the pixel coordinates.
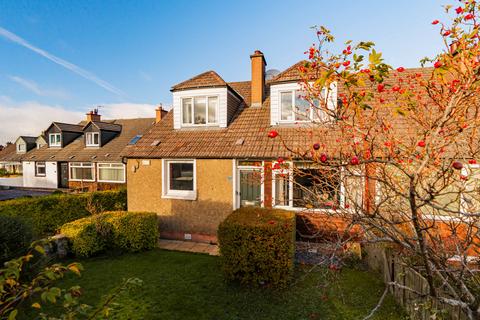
(55, 144)
(238, 181)
(21, 145)
(82, 165)
(109, 166)
(178, 194)
(290, 206)
(39, 164)
(92, 135)
(192, 122)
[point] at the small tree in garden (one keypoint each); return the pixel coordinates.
(409, 140)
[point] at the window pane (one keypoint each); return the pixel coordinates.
(57, 138)
(200, 110)
(302, 107)
(187, 110)
(181, 176)
(111, 174)
(316, 188)
(282, 189)
(95, 138)
(286, 106)
(212, 109)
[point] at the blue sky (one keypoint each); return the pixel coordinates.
(142, 48)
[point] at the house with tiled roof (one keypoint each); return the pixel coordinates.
(85, 156)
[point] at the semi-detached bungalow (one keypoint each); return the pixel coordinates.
(201, 161)
(85, 156)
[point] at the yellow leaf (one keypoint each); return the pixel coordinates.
(36, 305)
(74, 269)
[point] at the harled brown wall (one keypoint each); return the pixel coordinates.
(199, 217)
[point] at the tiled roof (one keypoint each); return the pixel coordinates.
(112, 151)
(246, 135)
(29, 139)
(108, 126)
(204, 80)
(69, 127)
(9, 154)
(289, 74)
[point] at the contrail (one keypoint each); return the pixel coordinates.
(70, 66)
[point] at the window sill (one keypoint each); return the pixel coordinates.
(80, 180)
(101, 181)
(181, 196)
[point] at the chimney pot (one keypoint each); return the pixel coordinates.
(159, 113)
(93, 116)
(258, 78)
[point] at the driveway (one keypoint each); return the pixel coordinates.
(17, 193)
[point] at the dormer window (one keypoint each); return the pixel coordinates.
(55, 139)
(21, 147)
(294, 107)
(92, 139)
(200, 110)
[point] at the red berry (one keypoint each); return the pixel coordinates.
(472, 161)
(447, 33)
(400, 69)
(346, 63)
(421, 144)
(388, 144)
(437, 64)
(273, 134)
(316, 146)
(323, 157)
(435, 22)
(396, 88)
(354, 161)
(457, 165)
(459, 10)
(462, 177)
(469, 16)
(381, 87)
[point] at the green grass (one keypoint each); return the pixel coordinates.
(190, 286)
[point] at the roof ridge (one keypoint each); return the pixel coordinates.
(215, 75)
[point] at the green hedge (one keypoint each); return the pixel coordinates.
(257, 246)
(15, 237)
(44, 215)
(119, 230)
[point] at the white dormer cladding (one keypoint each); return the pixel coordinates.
(226, 105)
(292, 90)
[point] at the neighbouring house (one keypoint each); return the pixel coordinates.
(201, 161)
(11, 156)
(84, 156)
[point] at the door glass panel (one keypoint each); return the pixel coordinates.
(250, 188)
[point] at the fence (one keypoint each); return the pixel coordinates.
(419, 307)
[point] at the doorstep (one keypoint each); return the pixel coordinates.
(188, 246)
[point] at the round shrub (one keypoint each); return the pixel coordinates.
(257, 246)
(15, 237)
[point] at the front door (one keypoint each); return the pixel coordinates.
(63, 175)
(249, 187)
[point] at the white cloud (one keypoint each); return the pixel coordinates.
(35, 88)
(30, 118)
(67, 65)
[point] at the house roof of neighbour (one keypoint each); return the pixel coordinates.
(29, 139)
(9, 154)
(246, 135)
(68, 127)
(112, 151)
(108, 126)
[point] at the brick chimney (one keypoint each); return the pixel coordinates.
(258, 78)
(159, 112)
(93, 116)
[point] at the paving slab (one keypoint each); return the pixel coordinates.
(188, 246)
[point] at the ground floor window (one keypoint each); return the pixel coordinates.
(111, 172)
(302, 186)
(82, 171)
(40, 169)
(179, 179)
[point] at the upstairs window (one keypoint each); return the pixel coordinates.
(92, 139)
(294, 107)
(55, 140)
(201, 110)
(21, 147)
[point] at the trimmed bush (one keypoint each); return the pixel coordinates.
(15, 237)
(119, 230)
(44, 215)
(257, 246)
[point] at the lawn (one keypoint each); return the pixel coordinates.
(190, 286)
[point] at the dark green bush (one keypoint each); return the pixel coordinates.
(15, 237)
(257, 246)
(120, 231)
(46, 214)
